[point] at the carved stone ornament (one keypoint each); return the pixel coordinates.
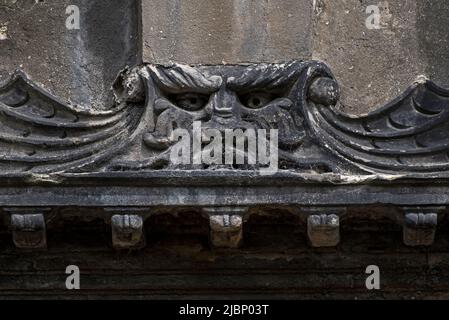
(127, 231)
(29, 231)
(323, 230)
(419, 228)
(65, 156)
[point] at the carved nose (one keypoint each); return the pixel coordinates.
(225, 103)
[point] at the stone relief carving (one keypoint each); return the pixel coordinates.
(262, 96)
(41, 134)
(408, 135)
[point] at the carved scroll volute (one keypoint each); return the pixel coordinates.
(129, 86)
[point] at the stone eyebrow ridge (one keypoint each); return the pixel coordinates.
(179, 78)
(267, 75)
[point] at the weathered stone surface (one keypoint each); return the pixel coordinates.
(275, 262)
(85, 164)
(211, 32)
(419, 229)
(127, 231)
(29, 231)
(226, 226)
(296, 100)
(374, 66)
(76, 65)
(432, 20)
(323, 230)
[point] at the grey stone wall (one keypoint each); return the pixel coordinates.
(213, 31)
(77, 65)
(373, 66)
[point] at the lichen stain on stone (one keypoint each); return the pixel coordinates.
(3, 32)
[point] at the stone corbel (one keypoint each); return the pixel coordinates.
(419, 224)
(323, 230)
(419, 228)
(127, 230)
(323, 225)
(226, 226)
(28, 228)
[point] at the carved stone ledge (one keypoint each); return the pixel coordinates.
(63, 156)
(226, 226)
(29, 231)
(127, 231)
(419, 229)
(323, 230)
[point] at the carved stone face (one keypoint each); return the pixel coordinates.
(226, 97)
(40, 134)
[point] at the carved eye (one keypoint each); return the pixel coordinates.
(190, 101)
(257, 100)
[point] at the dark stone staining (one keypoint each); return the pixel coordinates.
(372, 66)
(274, 261)
(419, 228)
(432, 20)
(29, 231)
(76, 65)
(407, 139)
(205, 32)
(135, 133)
(113, 37)
(90, 158)
(127, 231)
(226, 226)
(323, 230)
(398, 138)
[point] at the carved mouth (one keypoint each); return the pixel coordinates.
(224, 112)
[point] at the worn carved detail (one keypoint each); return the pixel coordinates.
(62, 155)
(409, 135)
(323, 230)
(40, 134)
(419, 229)
(29, 231)
(226, 226)
(127, 232)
